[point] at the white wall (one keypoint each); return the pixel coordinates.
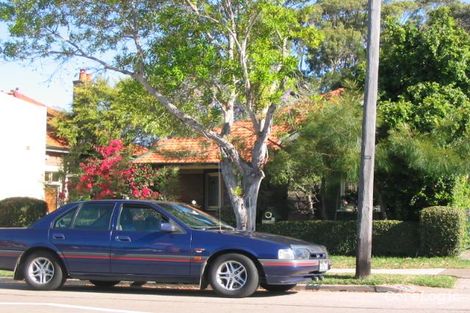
(22, 148)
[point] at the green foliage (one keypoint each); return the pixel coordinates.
(340, 54)
(21, 211)
(442, 231)
(427, 106)
(327, 144)
(461, 192)
(405, 191)
(389, 237)
(411, 53)
(424, 134)
(395, 238)
(343, 23)
(329, 137)
(101, 113)
(167, 182)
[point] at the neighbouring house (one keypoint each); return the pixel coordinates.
(56, 150)
(200, 179)
(23, 141)
(198, 159)
(33, 153)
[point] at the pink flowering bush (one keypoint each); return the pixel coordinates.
(112, 175)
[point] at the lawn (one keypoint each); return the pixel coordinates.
(6, 274)
(398, 263)
(382, 280)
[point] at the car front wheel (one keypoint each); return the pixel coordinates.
(234, 275)
(278, 288)
(42, 271)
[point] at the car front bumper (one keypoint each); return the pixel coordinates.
(284, 272)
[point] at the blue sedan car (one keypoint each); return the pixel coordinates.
(110, 241)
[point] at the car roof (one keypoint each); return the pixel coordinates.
(126, 201)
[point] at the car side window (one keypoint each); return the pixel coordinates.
(140, 219)
(65, 221)
(94, 216)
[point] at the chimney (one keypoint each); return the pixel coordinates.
(83, 77)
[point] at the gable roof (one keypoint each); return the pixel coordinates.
(200, 150)
(53, 141)
(15, 93)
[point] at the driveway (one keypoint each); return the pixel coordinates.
(81, 298)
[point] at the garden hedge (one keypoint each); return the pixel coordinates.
(21, 211)
(442, 231)
(390, 238)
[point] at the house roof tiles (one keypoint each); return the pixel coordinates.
(200, 150)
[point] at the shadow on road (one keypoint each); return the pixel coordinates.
(125, 288)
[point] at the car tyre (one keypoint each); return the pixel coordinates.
(278, 288)
(234, 275)
(105, 283)
(43, 271)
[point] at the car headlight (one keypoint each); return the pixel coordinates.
(325, 250)
(285, 254)
(301, 253)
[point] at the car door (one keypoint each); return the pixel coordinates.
(140, 246)
(82, 236)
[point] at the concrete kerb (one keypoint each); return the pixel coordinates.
(411, 271)
(357, 288)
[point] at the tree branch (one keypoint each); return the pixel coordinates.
(231, 151)
(83, 54)
(259, 153)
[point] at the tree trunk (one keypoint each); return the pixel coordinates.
(252, 183)
(243, 195)
(323, 214)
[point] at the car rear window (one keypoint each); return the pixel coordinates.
(94, 216)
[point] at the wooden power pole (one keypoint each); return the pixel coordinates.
(366, 180)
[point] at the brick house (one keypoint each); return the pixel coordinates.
(198, 161)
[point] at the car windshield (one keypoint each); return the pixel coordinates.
(194, 218)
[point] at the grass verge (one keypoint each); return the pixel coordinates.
(398, 263)
(6, 274)
(381, 280)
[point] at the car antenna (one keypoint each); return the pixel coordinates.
(220, 195)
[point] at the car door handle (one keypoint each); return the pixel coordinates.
(123, 238)
(58, 236)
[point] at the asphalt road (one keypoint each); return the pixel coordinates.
(80, 298)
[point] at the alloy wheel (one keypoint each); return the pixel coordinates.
(41, 270)
(231, 275)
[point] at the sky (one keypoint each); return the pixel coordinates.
(46, 81)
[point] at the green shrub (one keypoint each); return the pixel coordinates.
(21, 211)
(395, 238)
(389, 237)
(442, 231)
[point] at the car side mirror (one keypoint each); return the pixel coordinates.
(168, 228)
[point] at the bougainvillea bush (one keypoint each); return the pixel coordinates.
(113, 175)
